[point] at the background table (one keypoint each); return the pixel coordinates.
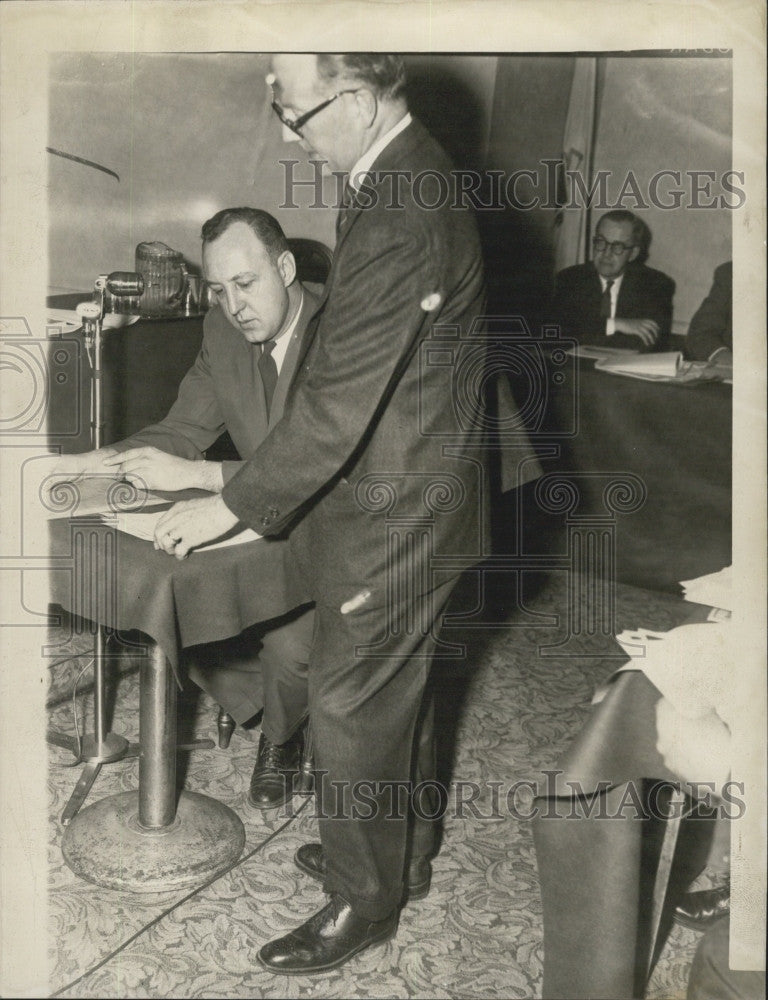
(677, 440)
(143, 366)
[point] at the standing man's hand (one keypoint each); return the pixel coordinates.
(157, 470)
(190, 523)
(646, 329)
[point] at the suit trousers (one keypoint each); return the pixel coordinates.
(374, 744)
(263, 667)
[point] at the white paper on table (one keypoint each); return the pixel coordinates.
(714, 589)
(666, 365)
(70, 319)
(141, 524)
(690, 665)
(592, 353)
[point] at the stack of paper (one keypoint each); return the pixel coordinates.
(650, 367)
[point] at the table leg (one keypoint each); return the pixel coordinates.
(157, 758)
(589, 874)
(146, 841)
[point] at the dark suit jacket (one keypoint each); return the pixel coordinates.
(223, 391)
(712, 324)
(644, 294)
(371, 430)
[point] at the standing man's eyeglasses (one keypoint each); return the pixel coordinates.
(297, 124)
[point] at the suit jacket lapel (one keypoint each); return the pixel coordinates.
(389, 158)
(627, 292)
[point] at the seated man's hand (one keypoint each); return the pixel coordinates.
(646, 329)
(190, 523)
(694, 749)
(157, 470)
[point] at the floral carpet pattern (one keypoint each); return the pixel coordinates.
(504, 711)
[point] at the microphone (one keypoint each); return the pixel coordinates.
(125, 283)
(119, 292)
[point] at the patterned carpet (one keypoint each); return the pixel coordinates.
(505, 712)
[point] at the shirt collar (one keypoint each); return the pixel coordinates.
(283, 340)
(616, 283)
(368, 158)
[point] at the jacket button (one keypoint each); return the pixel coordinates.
(274, 512)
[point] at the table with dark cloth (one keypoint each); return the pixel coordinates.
(143, 366)
(677, 440)
(598, 876)
(153, 839)
(210, 595)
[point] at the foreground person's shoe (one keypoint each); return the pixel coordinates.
(327, 940)
(273, 778)
(311, 860)
(699, 910)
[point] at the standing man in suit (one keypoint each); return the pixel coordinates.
(238, 383)
(710, 333)
(386, 473)
(615, 301)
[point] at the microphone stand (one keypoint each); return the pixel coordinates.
(103, 747)
(94, 558)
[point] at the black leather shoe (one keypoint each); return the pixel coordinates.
(273, 778)
(328, 939)
(310, 859)
(699, 910)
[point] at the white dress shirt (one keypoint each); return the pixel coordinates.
(283, 339)
(610, 324)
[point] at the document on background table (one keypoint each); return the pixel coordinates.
(141, 524)
(667, 366)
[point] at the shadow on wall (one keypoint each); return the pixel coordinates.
(455, 115)
(504, 114)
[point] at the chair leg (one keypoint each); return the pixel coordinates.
(226, 726)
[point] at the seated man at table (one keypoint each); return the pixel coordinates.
(710, 334)
(238, 383)
(614, 300)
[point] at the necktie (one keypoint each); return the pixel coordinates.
(605, 301)
(268, 372)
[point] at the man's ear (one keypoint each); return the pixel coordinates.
(635, 253)
(366, 105)
(286, 266)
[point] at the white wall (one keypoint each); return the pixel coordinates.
(662, 113)
(187, 133)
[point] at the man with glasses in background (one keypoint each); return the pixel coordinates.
(385, 483)
(615, 300)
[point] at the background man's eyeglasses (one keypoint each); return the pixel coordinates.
(599, 245)
(297, 124)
